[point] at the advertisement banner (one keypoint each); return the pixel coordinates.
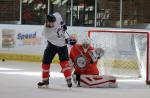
(26, 43)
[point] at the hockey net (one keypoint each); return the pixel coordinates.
(126, 53)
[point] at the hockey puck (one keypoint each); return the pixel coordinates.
(3, 60)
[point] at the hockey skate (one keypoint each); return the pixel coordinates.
(69, 83)
(43, 84)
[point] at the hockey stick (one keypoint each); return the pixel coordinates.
(67, 33)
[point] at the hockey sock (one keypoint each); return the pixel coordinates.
(66, 69)
(45, 71)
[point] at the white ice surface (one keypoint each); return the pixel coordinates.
(19, 79)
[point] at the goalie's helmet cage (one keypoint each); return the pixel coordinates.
(86, 43)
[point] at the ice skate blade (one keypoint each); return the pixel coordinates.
(44, 86)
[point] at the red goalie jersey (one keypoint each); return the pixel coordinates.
(83, 61)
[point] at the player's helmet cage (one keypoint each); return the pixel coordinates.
(50, 18)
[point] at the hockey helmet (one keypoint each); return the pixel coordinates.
(50, 18)
(86, 43)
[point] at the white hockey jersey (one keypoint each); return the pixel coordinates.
(55, 35)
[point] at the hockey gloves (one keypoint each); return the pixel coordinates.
(63, 26)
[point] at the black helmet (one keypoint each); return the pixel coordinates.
(51, 18)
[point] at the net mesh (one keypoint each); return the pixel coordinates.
(125, 53)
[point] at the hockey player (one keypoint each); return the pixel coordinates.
(86, 74)
(54, 32)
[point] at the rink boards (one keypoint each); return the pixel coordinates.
(25, 42)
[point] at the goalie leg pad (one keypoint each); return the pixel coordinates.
(95, 81)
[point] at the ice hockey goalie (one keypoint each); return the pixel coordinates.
(84, 58)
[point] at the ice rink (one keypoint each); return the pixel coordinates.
(19, 79)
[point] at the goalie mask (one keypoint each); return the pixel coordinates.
(50, 20)
(86, 43)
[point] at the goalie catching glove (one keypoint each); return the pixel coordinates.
(99, 52)
(96, 54)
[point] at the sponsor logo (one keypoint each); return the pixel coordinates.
(29, 38)
(21, 36)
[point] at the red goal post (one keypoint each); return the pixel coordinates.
(129, 48)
